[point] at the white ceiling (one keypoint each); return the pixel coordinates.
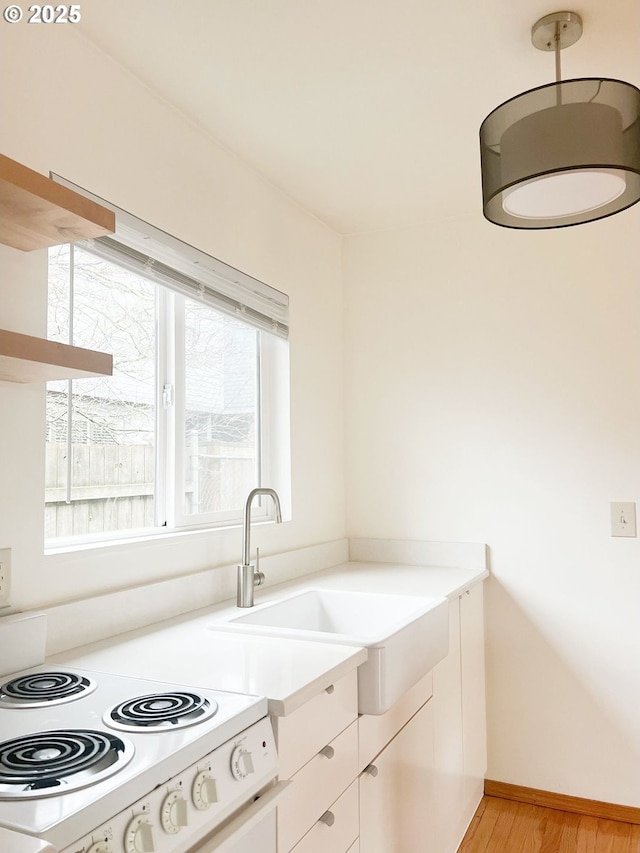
(366, 112)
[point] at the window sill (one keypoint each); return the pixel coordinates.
(142, 537)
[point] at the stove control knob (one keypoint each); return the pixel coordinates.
(241, 763)
(204, 792)
(100, 847)
(138, 836)
(173, 813)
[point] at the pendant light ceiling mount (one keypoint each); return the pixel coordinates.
(564, 28)
(565, 153)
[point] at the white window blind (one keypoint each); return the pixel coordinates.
(142, 248)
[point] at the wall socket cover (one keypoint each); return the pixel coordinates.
(623, 518)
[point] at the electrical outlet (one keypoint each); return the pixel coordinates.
(5, 576)
(623, 518)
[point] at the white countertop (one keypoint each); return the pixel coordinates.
(391, 578)
(288, 672)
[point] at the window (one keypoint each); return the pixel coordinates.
(196, 412)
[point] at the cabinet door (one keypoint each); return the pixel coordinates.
(448, 754)
(474, 719)
(396, 791)
(460, 722)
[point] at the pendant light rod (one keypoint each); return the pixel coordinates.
(555, 32)
(558, 49)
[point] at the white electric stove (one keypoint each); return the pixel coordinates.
(99, 763)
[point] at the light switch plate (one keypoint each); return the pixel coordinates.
(623, 518)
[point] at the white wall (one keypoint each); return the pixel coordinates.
(493, 395)
(493, 387)
(68, 108)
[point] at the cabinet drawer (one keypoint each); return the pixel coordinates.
(316, 786)
(302, 734)
(375, 732)
(337, 830)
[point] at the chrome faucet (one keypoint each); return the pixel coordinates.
(248, 576)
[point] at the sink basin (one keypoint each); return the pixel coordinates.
(405, 635)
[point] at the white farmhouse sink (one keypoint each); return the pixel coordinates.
(405, 636)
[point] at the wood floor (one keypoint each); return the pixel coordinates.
(503, 826)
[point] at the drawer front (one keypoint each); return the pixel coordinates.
(316, 786)
(337, 829)
(302, 734)
(375, 732)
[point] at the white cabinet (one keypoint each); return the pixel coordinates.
(397, 791)
(474, 719)
(337, 827)
(318, 751)
(302, 734)
(316, 787)
(448, 759)
(406, 781)
(460, 722)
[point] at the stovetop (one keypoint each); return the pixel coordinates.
(128, 734)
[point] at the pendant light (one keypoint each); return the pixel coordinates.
(564, 153)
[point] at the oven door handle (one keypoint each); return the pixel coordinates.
(233, 831)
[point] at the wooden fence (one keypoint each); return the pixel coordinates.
(113, 486)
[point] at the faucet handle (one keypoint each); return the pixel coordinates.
(258, 576)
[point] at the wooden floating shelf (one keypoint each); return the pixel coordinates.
(36, 212)
(24, 358)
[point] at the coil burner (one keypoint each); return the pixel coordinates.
(159, 711)
(44, 689)
(70, 782)
(56, 762)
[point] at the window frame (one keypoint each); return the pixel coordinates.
(176, 414)
(273, 428)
